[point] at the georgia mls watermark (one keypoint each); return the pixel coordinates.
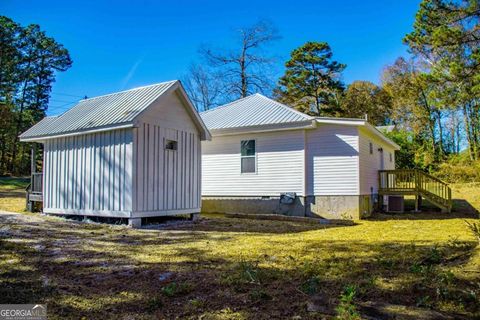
(23, 312)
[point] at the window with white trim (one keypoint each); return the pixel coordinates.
(391, 157)
(248, 156)
(371, 148)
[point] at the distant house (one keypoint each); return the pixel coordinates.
(130, 154)
(261, 149)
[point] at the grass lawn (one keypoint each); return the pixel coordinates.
(409, 266)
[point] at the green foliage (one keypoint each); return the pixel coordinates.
(458, 168)
(365, 98)
(26, 78)
(446, 37)
(175, 289)
(405, 157)
(311, 82)
(475, 229)
(346, 309)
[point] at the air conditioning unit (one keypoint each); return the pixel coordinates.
(396, 204)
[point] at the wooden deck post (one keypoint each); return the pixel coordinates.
(33, 160)
(33, 169)
(418, 202)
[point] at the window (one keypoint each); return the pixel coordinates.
(247, 155)
(371, 148)
(391, 157)
(170, 145)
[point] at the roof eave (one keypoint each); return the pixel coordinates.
(380, 135)
(308, 124)
(76, 133)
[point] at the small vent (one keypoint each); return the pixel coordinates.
(170, 145)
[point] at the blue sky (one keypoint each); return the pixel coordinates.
(118, 45)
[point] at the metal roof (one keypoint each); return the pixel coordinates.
(102, 112)
(254, 110)
(257, 113)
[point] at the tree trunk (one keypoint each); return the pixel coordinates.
(243, 73)
(440, 133)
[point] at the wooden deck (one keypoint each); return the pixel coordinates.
(418, 183)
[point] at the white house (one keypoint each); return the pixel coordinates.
(261, 148)
(130, 154)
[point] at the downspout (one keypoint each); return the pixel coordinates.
(305, 178)
(305, 167)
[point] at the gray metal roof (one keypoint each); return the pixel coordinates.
(254, 110)
(111, 110)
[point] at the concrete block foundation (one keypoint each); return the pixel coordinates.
(346, 207)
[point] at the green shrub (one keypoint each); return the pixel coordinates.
(475, 229)
(346, 309)
(458, 168)
(174, 289)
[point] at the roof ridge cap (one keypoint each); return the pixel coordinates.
(132, 89)
(229, 103)
(288, 107)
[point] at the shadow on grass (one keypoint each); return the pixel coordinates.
(97, 271)
(461, 209)
(14, 182)
(217, 223)
(12, 194)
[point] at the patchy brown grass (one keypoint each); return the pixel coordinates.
(408, 266)
(239, 269)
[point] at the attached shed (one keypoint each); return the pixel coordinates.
(261, 149)
(131, 154)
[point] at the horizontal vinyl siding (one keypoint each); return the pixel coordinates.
(332, 160)
(371, 163)
(166, 180)
(280, 159)
(89, 173)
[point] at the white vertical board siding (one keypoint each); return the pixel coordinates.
(371, 163)
(332, 160)
(89, 174)
(166, 181)
(280, 159)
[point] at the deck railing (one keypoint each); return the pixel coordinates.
(412, 181)
(36, 183)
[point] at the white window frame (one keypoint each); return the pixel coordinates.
(254, 156)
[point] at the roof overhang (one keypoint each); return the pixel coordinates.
(176, 88)
(309, 124)
(204, 132)
(77, 133)
(380, 135)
